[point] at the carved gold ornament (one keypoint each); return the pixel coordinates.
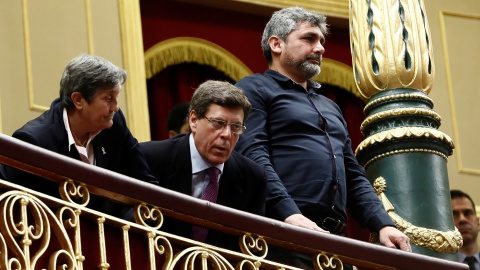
(398, 96)
(442, 242)
(392, 55)
(401, 133)
(399, 112)
(404, 151)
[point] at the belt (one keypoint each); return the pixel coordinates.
(334, 226)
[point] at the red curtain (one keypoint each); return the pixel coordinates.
(174, 85)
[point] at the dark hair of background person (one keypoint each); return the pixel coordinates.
(455, 194)
(178, 116)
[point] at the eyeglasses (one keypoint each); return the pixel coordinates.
(218, 124)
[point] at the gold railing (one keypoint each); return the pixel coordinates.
(41, 232)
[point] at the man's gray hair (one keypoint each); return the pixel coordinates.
(87, 74)
(287, 20)
(221, 93)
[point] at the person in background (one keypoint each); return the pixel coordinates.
(202, 164)
(85, 123)
(177, 119)
(300, 137)
(467, 222)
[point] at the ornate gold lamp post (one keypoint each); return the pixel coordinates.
(404, 154)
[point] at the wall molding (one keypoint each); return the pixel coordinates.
(456, 133)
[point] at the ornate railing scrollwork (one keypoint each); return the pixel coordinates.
(253, 246)
(62, 260)
(200, 256)
(163, 247)
(148, 215)
(248, 265)
(71, 220)
(26, 224)
(323, 261)
(443, 242)
(74, 192)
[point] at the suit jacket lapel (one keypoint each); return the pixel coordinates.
(62, 146)
(100, 148)
(231, 191)
(180, 177)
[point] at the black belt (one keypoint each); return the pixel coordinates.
(332, 225)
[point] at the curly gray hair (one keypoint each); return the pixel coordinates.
(285, 21)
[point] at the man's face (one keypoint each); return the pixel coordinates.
(465, 219)
(215, 146)
(302, 53)
(98, 115)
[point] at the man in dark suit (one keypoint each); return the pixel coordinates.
(216, 116)
(86, 124)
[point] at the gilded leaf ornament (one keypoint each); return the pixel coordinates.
(404, 132)
(442, 242)
(393, 49)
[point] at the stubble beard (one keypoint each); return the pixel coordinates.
(308, 69)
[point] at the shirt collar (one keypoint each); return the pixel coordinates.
(71, 141)
(280, 77)
(462, 256)
(198, 163)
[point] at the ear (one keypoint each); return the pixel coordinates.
(276, 44)
(193, 121)
(77, 100)
(172, 133)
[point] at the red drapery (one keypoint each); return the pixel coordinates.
(239, 33)
(174, 85)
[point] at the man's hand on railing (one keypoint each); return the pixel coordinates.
(301, 221)
(393, 238)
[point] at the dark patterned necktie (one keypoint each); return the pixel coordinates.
(209, 194)
(471, 262)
